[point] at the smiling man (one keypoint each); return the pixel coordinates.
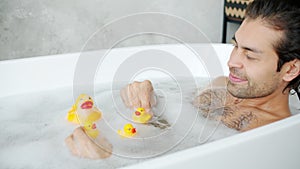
(264, 64)
(264, 68)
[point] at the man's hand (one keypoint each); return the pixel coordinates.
(81, 145)
(138, 94)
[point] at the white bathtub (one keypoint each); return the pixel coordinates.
(272, 146)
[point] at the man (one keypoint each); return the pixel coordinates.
(264, 67)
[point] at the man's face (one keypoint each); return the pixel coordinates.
(253, 61)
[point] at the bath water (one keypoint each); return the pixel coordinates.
(33, 127)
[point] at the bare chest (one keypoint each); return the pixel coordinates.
(218, 105)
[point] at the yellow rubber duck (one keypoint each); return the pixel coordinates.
(83, 107)
(84, 112)
(141, 116)
(128, 131)
(90, 129)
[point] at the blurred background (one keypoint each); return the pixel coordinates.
(30, 28)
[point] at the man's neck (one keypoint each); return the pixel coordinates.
(276, 104)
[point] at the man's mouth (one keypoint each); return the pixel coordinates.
(235, 79)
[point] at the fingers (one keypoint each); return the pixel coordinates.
(104, 148)
(133, 95)
(124, 96)
(76, 143)
(138, 94)
(81, 138)
(145, 100)
(81, 145)
(148, 99)
(70, 144)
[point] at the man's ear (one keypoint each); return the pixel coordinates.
(292, 70)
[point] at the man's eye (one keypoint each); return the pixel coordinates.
(249, 57)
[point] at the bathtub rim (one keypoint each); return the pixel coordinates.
(62, 76)
(196, 154)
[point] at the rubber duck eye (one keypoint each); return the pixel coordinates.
(90, 98)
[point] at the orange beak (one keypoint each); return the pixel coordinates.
(137, 113)
(87, 105)
(133, 131)
(94, 126)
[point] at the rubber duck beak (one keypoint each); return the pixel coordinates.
(87, 105)
(94, 126)
(133, 131)
(137, 113)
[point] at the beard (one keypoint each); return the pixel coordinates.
(251, 89)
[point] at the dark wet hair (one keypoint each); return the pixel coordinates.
(283, 15)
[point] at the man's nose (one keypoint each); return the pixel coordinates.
(235, 59)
